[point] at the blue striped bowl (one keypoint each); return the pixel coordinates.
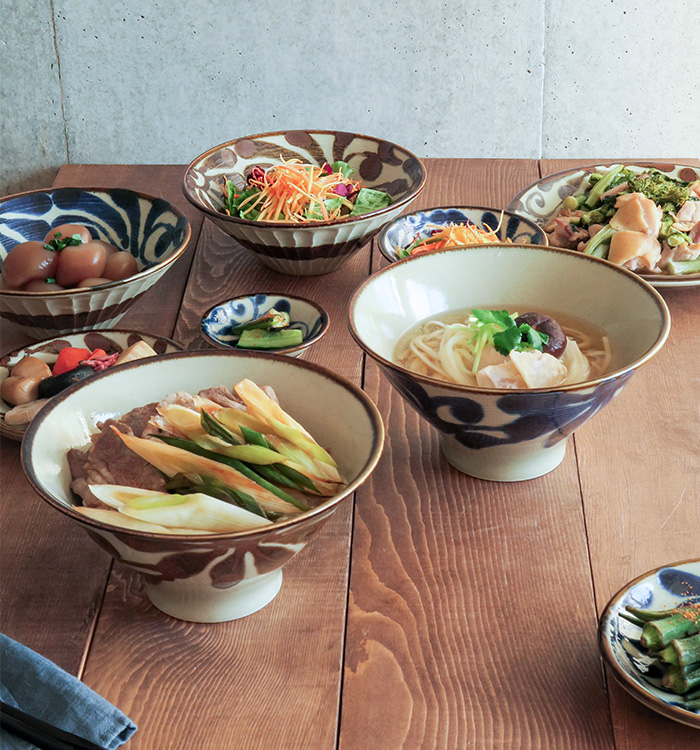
(151, 229)
(402, 232)
(216, 323)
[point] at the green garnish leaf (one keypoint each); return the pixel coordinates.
(343, 167)
(505, 341)
(500, 318)
(59, 242)
(370, 200)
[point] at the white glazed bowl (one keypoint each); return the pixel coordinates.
(304, 315)
(215, 577)
(507, 435)
(305, 248)
(151, 229)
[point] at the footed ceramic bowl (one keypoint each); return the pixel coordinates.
(151, 229)
(213, 577)
(508, 435)
(542, 200)
(401, 233)
(660, 589)
(305, 248)
(308, 317)
(111, 341)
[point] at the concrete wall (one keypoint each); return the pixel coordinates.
(137, 81)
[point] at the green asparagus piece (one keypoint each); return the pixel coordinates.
(599, 244)
(601, 186)
(680, 267)
(260, 339)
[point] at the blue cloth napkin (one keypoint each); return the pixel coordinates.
(38, 687)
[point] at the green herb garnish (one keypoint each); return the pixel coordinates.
(59, 243)
(506, 335)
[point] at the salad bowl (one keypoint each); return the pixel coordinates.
(304, 315)
(402, 232)
(660, 589)
(151, 229)
(542, 200)
(507, 435)
(218, 576)
(305, 248)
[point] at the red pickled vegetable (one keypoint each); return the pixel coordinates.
(69, 358)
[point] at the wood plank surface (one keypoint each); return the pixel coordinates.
(640, 476)
(274, 677)
(457, 584)
(53, 575)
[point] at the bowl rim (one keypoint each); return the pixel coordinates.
(323, 315)
(669, 280)
(632, 686)
(323, 507)
(300, 224)
(76, 291)
(15, 433)
(383, 242)
(658, 299)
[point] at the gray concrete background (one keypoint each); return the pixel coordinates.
(136, 81)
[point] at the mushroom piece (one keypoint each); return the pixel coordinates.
(556, 344)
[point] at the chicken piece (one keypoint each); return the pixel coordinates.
(682, 252)
(694, 234)
(634, 250)
(504, 376)
(537, 369)
(689, 212)
(635, 213)
(563, 233)
(614, 191)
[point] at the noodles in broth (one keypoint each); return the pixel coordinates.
(445, 349)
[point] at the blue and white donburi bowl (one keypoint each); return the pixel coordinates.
(402, 231)
(508, 435)
(308, 317)
(658, 590)
(151, 229)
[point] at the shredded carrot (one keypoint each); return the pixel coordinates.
(452, 235)
(287, 190)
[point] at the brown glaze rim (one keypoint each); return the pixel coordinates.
(630, 685)
(327, 505)
(177, 252)
(381, 239)
(17, 433)
(661, 305)
(300, 224)
(669, 279)
(287, 350)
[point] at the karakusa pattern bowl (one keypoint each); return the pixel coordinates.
(508, 435)
(542, 200)
(401, 233)
(213, 577)
(151, 229)
(659, 589)
(305, 248)
(311, 319)
(111, 341)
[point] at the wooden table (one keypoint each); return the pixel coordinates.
(434, 611)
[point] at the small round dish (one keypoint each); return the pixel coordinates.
(110, 340)
(402, 231)
(308, 317)
(541, 200)
(659, 589)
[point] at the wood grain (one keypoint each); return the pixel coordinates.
(457, 584)
(272, 678)
(53, 576)
(640, 477)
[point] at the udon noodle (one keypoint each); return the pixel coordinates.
(444, 349)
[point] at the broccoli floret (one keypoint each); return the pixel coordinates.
(668, 192)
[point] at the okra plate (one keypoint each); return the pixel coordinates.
(661, 589)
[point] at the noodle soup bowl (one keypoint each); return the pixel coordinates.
(508, 435)
(205, 577)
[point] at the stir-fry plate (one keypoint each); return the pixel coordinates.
(660, 589)
(542, 200)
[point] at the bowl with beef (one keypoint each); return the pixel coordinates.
(304, 201)
(75, 259)
(204, 471)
